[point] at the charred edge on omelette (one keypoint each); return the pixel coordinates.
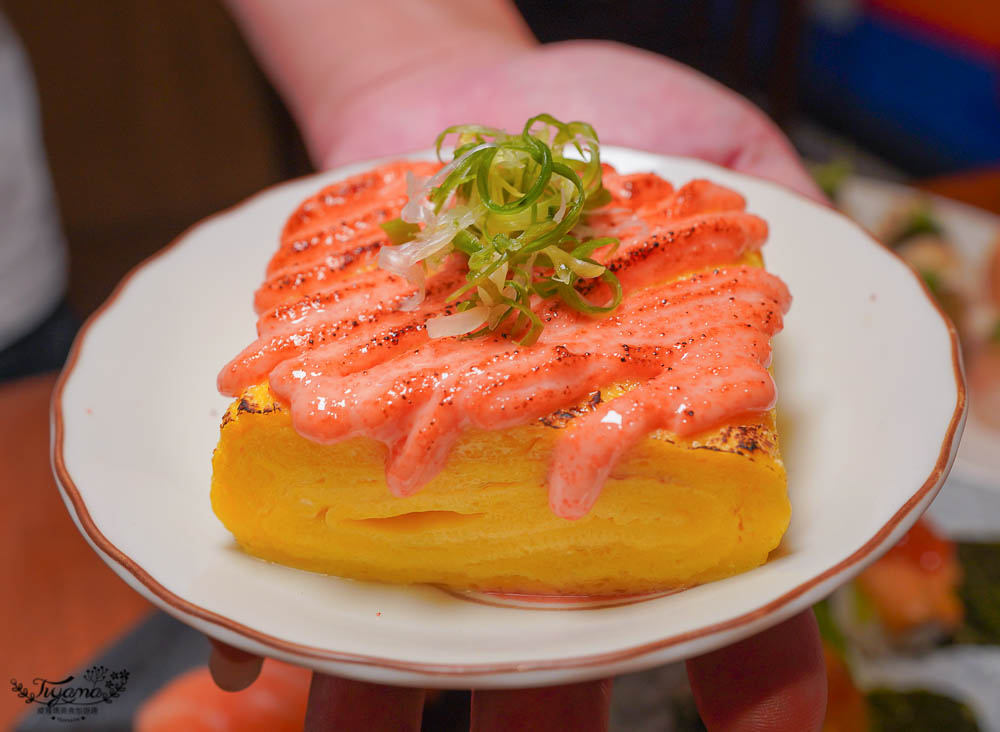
(678, 510)
(740, 439)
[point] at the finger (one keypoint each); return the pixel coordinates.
(581, 707)
(773, 681)
(231, 668)
(357, 706)
(766, 153)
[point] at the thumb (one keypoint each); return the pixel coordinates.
(774, 681)
(231, 668)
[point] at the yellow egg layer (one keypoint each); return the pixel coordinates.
(673, 513)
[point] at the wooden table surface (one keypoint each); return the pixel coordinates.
(60, 604)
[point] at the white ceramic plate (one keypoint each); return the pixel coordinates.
(871, 406)
(973, 232)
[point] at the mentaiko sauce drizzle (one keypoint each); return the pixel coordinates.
(693, 330)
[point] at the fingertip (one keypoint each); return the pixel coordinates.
(231, 668)
(765, 152)
(344, 705)
(775, 681)
(582, 707)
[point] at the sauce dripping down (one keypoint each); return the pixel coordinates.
(693, 330)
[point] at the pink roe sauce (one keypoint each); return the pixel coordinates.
(337, 350)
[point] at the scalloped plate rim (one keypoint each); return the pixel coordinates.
(497, 674)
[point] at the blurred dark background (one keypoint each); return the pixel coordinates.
(155, 114)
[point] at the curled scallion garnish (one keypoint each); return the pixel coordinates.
(509, 203)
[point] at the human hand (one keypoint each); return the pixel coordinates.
(631, 97)
(385, 78)
(772, 681)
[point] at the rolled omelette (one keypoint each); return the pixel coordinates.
(628, 453)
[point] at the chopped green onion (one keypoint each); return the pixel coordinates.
(400, 232)
(509, 203)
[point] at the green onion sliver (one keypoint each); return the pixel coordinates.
(509, 204)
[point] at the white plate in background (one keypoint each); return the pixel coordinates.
(973, 233)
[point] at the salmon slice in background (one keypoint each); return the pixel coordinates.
(846, 707)
(914, 587)
(275, 702)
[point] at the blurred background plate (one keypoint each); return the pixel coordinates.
(974, 234)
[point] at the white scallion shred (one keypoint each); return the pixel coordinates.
(458, 324)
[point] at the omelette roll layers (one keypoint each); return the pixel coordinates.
(673, 513)
(359, 447)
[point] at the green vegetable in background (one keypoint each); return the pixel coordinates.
(828, 629)
(920, 221)
(918, 711)
(830, 176)
(980, 593)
